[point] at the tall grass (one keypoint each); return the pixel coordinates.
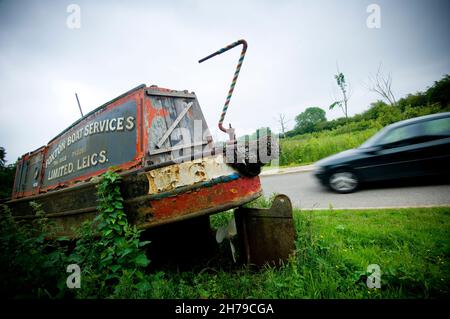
(333, 250)
(309, 148)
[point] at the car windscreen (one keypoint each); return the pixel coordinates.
(372, 141)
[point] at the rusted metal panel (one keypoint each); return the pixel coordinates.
(267, 236)
(154, 90)
(18, 176)
(167, 116)
(180, 116)
(156, 127)
(34, 171)
(208, 197)
(28, 173)
(187, 173)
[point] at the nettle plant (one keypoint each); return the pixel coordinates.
(109, 248)
(31, 265)
(120, 240)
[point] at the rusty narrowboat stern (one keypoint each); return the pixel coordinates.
(157, 139)
(160, 143)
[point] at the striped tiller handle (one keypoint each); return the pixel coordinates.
(236, 74)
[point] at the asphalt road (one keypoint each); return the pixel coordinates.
(306, 193)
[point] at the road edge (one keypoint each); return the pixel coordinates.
(374, 207)
(288, 170)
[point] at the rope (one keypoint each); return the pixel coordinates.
(236, 74)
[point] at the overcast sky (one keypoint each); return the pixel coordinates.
(294, 47)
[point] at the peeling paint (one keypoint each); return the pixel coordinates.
(187, 173)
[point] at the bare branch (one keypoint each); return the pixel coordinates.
(381, 84)
(282, 122)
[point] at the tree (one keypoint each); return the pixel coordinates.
(383, 113)
(7, 173)
(307, 121)
(2, 156)
(439, 92)
(283, 123)
(381, 84)
(345, 91)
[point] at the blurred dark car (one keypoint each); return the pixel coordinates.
(412, 148)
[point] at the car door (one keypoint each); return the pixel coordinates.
(394, 155)
(433, 147)
(411, 150)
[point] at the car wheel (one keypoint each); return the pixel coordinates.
(343, 182)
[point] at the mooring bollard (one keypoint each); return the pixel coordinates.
(266, 236)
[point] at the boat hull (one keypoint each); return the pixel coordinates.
(148, 201)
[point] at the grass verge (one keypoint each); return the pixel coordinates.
(333, 251)
(309, 148)
(334, 248)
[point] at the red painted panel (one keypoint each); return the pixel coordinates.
(206, 197)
